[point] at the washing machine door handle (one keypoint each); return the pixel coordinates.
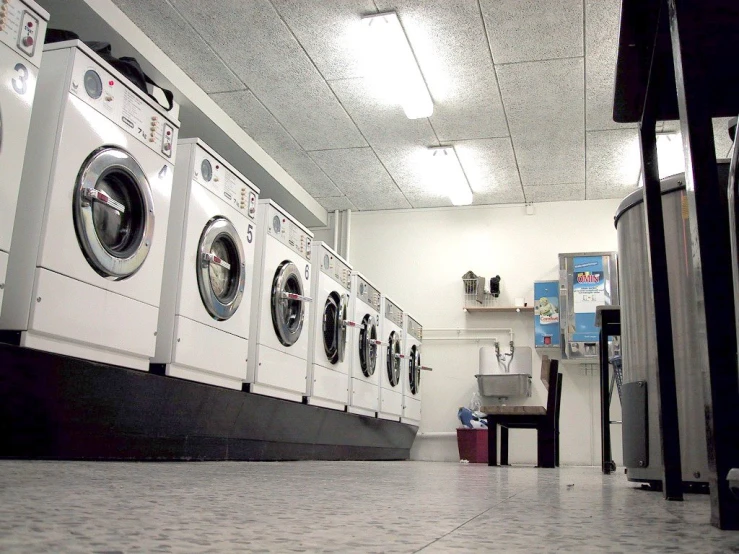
(100, 196)
(292, 296)
(425, 368)
(348, 323)
(211, 258)
(375, 342)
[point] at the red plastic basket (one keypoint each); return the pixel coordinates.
(473, 445)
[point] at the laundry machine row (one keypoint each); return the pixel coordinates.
(135, 249)
(22, 31)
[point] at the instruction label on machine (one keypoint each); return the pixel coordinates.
(589, 292)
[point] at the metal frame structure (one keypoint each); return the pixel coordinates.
(610, 326)
(675, 62)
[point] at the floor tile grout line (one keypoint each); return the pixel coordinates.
(458, 527)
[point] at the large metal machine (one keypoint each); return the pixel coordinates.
(640, 390)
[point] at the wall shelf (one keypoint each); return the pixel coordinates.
(522, 309)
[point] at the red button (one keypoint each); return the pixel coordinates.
(111, 83)
(28, 42)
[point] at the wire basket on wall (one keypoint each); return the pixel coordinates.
(476, 295)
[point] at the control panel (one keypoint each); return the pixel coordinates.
(335, 268)
(393, 313)
(368, 294)
(211, 173)
(22, 28)
(415, 329)
(288, 232)
(121, 103)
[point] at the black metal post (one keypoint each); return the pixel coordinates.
(605, 405)
(668, 416)
(709, 228)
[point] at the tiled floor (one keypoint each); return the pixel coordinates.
(340, 507)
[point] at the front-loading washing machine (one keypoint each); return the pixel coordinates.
(365, 342)
(85, 270)
(280, 315)
(328, 363)
(204, 311)
(391, 382)
(412, 368)
(22, 31)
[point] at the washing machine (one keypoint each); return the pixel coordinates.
(328, 360)
(365, 342)
(411, 370)
(204, 313)
(22, 30)
(391, 382)
(85, 271)
(281, 308)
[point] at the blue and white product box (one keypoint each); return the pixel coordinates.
(589, 292)
(546, 314)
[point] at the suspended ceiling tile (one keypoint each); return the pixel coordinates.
(362, 178)
(449, 42)
(525, 30)
(555, 193)
(259, 124)
(545, 107)
(602, 192)
(602, 21)
(382, 124)
(411, 169)
(491, 170)
(613, 159)
(336, 203)
(176, 38)
(721, 137)
(261, 50)
(329, 32)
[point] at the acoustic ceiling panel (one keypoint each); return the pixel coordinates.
(545, 107)
(258, 46)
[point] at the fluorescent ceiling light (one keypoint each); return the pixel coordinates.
(447, 175)
(391, 67)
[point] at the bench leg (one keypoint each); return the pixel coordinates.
(492, 443)
(503, 446)
(545, 447)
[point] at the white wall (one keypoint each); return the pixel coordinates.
(417, 258)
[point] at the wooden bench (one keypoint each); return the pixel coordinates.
(544, 419)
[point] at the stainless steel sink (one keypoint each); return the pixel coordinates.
(504, 385)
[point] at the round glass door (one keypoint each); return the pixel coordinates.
(113, 213)
(368, 348)
(287, 305)
(334, 330)
(221, 271)
(393, 359)
(414, 369)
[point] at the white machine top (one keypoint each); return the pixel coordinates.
(393, 313)
(23, 27)
(413, 328)
(367, 293)
(282, 227)
(171, 115)
(210, 171)
(333, 265)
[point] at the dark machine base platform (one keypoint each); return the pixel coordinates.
(57, 407)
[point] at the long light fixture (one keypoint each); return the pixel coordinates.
(670, 155)
(447, 175)
(391, 67)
